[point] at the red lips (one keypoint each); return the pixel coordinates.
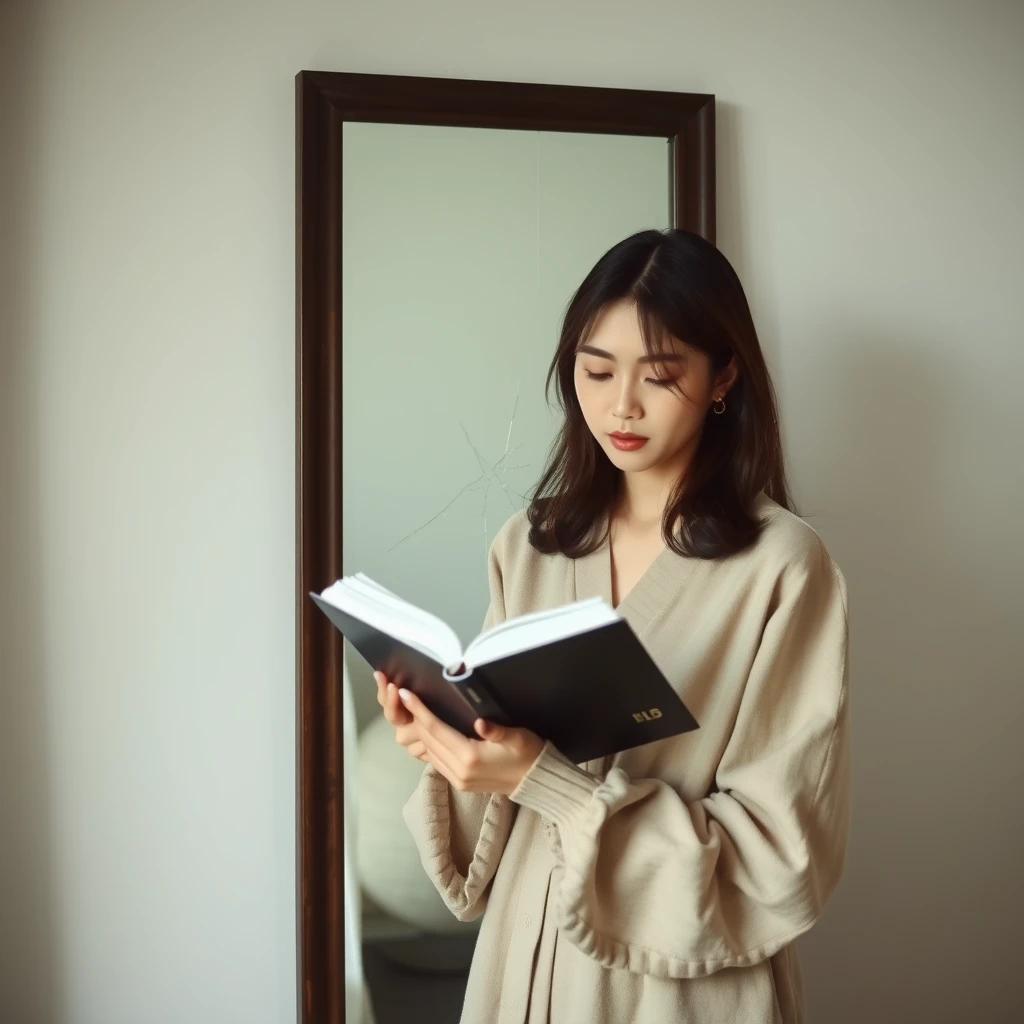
(627, 442)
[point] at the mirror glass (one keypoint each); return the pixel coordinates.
(461, 249)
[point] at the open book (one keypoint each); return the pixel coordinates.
(576, 675)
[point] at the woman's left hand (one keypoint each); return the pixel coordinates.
(495, 763)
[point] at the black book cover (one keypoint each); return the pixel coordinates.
(591, 694)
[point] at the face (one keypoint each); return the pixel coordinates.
(660, 400)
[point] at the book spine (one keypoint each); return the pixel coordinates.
(474, 688)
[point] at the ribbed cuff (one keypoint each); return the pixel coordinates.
(429, 815)
(554, 787)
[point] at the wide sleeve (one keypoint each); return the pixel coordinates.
(461, 836)
(658, 886)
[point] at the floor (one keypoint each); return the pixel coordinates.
(403, 990)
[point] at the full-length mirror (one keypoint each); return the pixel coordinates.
(445, 247)
(460, 250)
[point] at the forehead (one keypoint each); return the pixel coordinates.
(618, 331)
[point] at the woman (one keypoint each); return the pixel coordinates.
(666, 883)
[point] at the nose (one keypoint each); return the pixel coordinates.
(627, 406)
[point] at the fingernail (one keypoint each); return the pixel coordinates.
(404, 695)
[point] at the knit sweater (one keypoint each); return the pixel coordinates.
(669, 882)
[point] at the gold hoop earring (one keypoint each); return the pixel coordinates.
(719, 402)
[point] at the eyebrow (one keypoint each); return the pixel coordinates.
(658, 357)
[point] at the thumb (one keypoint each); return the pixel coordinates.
(490, 730)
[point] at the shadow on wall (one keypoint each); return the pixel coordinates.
(31, 975)
(931, 884)
(734, 224)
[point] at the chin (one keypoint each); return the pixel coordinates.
(631, 462)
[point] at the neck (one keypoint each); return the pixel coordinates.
(644, 496)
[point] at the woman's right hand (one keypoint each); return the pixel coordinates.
(406, 730)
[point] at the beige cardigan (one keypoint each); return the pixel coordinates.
(666, 884)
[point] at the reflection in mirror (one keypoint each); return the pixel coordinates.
(461, 249)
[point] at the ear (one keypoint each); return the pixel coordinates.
(727, 377)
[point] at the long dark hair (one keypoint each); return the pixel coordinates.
(682, 287)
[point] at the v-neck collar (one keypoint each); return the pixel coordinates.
(651, 592)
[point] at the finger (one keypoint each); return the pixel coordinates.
(381, 681)
(399, 713)
(455, 756)
(438, 755)
(432, 726)
(457, 767)
(406, 735)
(385, 702)
(393, 710)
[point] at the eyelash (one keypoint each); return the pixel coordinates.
(658, 382)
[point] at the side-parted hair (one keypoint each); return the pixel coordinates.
(682, 288)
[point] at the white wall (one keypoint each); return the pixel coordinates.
(870, 158)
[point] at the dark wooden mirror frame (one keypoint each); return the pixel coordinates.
(324, 101)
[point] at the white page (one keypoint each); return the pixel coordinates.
(378, 607)
(539, 628)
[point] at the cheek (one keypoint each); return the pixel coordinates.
(679, 414)
(694, 398)
(585, 394)
(581, 395)
(699, 387)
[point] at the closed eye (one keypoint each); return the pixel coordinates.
(660, 382)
